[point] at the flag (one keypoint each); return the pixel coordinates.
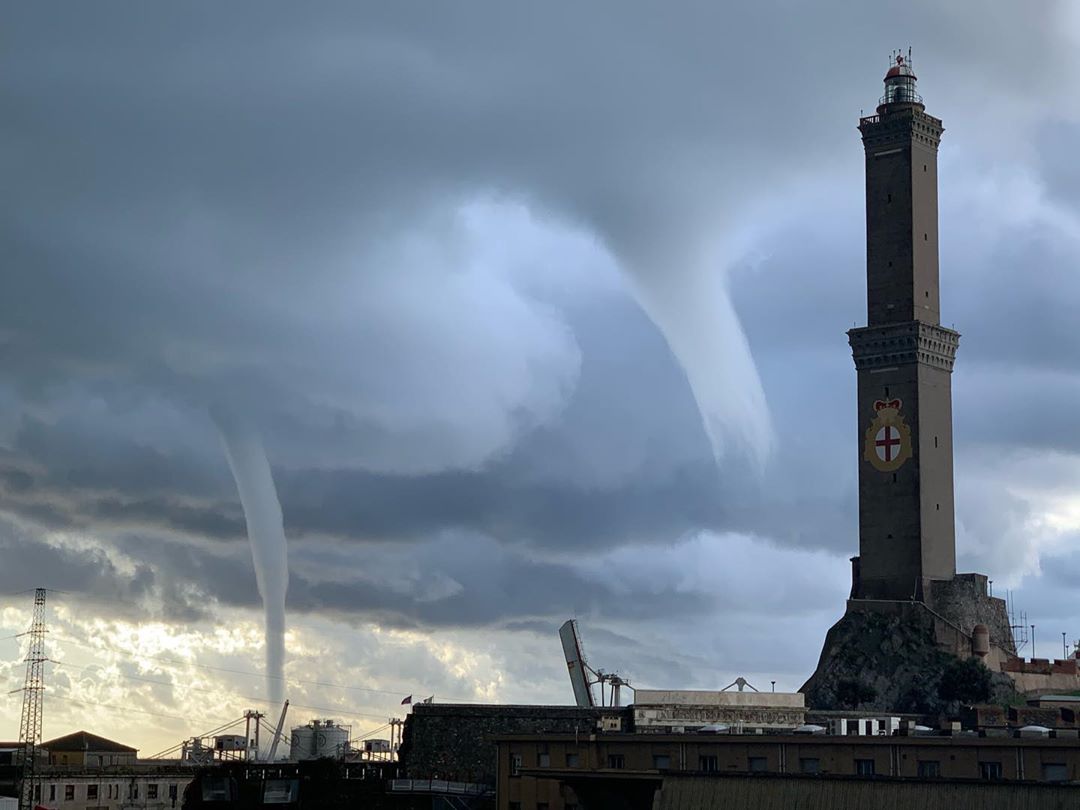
(406, 701)
(428, 700)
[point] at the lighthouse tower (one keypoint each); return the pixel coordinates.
(909, 611)
(903, 358)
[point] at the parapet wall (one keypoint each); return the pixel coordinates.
(1043, 675)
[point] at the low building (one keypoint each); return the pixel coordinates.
(112, 787)
(88, 772)
(88, 750)
(564, 772)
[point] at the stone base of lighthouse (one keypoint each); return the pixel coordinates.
(886, 655)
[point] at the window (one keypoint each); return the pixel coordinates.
(661, 762)
(91, 792)
(864, 767)
(172, 792)
(37, 793)
(929, 768)
(757, 764)
(69, 793)
(990, 770)
(616, 761)
(151, 791)
(515, 805)
(541, 806)
(810, 765)
(708, 762)
(52, 793)
(543, 760)
(573, 761)
(1055, 772)
(515, 764)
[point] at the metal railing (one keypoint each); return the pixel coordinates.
(439, 786)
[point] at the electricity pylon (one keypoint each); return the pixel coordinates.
(33, 689)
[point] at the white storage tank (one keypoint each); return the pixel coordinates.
(317, 740)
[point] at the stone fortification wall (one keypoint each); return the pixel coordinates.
(887, 656)
(1043, 675)
(456, 742)
(964, 601)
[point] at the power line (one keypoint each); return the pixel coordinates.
(124, 709)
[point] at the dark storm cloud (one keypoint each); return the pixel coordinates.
(261, 205)
(85, 571)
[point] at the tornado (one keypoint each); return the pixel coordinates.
(266, 533)
(694, 312)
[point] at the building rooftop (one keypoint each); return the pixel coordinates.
(85, 741)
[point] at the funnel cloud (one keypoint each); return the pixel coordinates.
(266, 531)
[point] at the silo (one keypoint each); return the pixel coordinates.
(317, 740)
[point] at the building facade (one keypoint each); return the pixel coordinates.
(561, 772)
(116, 787)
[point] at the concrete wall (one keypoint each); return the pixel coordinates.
(457, 742)
(686, 697)
(655, 709)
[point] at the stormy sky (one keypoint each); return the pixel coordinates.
(540, 313)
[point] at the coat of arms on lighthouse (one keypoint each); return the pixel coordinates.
(888, 439)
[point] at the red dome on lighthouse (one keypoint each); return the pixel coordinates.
(900, 83)
(901, 68)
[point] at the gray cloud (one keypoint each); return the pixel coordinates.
(409, 247)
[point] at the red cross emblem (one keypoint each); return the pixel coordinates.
(888, 439)
(887, 443)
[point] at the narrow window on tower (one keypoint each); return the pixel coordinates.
(924, 238)
(937, 507)
(927, 293)
(890, 198)
(935, 441)
(894, 478)
(924, 167)
(886, 390)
